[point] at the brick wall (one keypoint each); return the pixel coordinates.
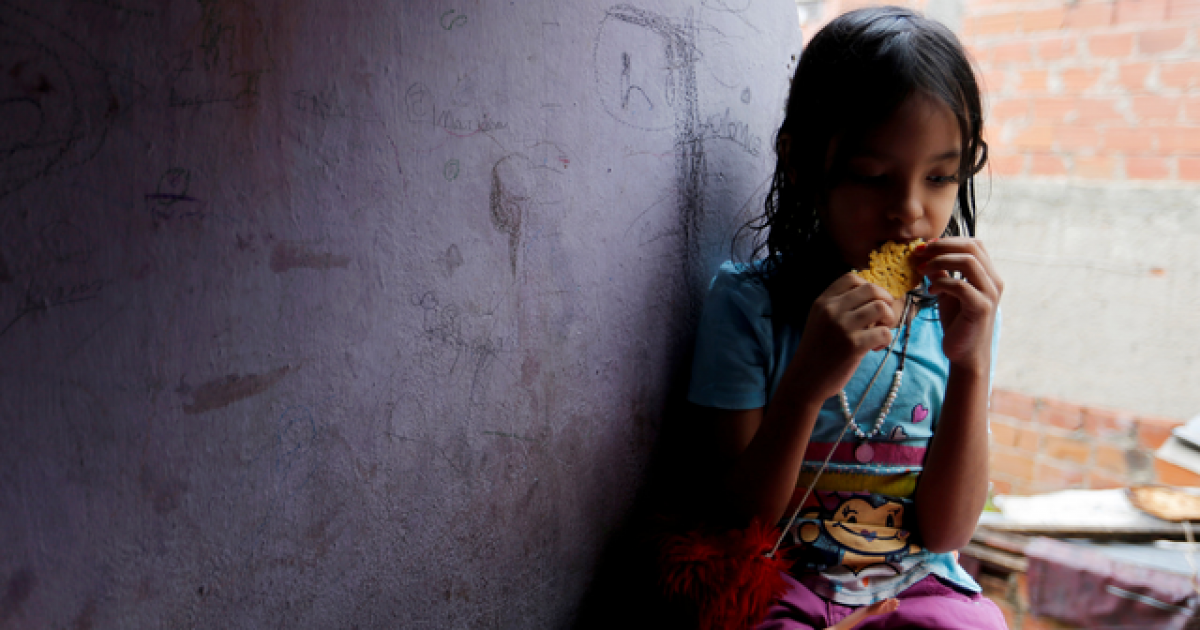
(1092, 89)
(1043, 445)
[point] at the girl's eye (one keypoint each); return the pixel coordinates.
(943, 179)
(867, 180)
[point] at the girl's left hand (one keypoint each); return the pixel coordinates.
(967, 303)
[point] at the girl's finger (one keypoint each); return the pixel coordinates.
(850, 292)
(845, 283)
(960, 245)
(876, 338)
(870, 314)
(968, 266)
(971, 301)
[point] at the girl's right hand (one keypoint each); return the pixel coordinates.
(849, 319)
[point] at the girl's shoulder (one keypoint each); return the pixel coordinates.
(744, 282)
(753, 275)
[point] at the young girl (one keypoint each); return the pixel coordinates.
(882, 137)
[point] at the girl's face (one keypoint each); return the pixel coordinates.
(900, 183)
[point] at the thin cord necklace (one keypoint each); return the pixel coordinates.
(864, 452)
(908, 301)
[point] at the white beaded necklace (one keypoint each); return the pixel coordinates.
(865, 452)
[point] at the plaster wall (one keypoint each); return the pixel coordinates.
(354, 314)
(1102, 301)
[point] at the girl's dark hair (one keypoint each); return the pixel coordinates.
(850, 78)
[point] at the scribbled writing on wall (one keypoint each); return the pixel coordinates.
(325, 104)
(58, 273)
(452, 19)
(422, 109)
(241, 92)
(170, 198)
(287, 256)
(230, 56)
(57, 102)
(475, 351)
(723, 127)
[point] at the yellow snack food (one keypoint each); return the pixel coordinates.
(892, 269)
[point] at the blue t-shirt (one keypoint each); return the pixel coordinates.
(850, 542)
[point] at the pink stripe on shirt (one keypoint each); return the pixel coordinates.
(888, 453)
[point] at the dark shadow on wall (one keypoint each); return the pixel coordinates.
(673, 495)
(676, 488)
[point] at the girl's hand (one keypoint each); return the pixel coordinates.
(845, 322)
(967, 303)
(878, 608)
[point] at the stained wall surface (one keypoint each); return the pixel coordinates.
(354, 314)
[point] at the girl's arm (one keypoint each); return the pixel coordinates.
(953, 486)
(764, 448)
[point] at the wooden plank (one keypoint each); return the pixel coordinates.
(1008, 561)
(1006, 541)
(1169, 531)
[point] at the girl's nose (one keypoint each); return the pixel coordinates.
(907, 205)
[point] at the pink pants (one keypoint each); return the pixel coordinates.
(929, 603)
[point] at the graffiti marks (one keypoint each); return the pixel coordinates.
(240, 90)
(170, 198)
(452, 19)
(289, 255)
(519, 182)
(448, 326)
(418, 103)
(724, 127)
(645, 72)
(229, 389)
(56, 102)
(421, 110)
(641, 81)
(451, 260)
(229, 58)
(507, 200)
(60, 272)
(325, 104)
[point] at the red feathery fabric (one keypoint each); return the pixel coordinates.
(725, 576)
